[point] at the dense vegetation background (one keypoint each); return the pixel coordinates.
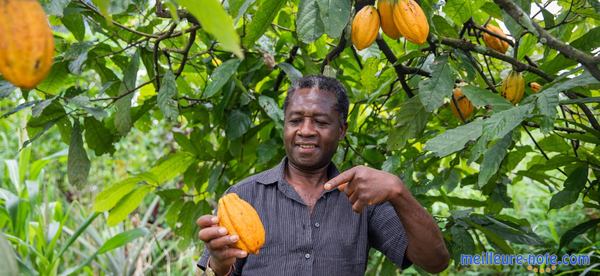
(152, 109)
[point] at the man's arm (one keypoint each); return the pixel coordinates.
(366, 186)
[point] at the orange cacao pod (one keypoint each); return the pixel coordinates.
(410, 20)
(494, 42)
(365, 27)
(464, 105)
(513, 87)
(240, 218)
(26, 43)
(386, 13)
(535, 87)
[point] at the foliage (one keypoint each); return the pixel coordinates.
(207, 87)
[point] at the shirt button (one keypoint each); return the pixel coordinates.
(307, 256)
(317, 224)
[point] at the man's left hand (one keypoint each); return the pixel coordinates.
(366, 186)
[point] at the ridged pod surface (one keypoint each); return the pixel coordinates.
(365, 27)
(513, 87)
(240, 218)
(386, 14)
(465, 106)
(26, 43)
(411, 21)
(494, 42)
(535, 87)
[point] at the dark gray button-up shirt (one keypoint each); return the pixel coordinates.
(333, 240)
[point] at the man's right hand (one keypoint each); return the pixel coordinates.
(219, 244)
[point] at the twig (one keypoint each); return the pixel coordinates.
(93, 9)
(156, 47)
(335, 52)
(186, 52)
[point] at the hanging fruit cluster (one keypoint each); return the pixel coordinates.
(26, 43)
(396, 19)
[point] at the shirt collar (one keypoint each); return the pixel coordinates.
(277, 173)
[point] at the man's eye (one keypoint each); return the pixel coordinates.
(294, 121)
(322, 123)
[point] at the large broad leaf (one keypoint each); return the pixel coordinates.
(109, 197)
(573, 185)
(481, 97)
(127, 204)
(261, 21)
(166, 96)
(462, 242)
(238, 123)
(271, 108)
(501, 123)
(461, 11)
(411, 120)
(123, 120)
(454, 139)
(334, 15)
(78, 165)
(122, 238)
(432, 91)
(547, 100)
(172, 166)
(309, 25)
(9, 259)
(220, 76)
(572, 233)
(290, 71)
(98, 137)
(215, 21)
(492, 159)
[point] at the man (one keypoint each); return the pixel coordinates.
(318, 221)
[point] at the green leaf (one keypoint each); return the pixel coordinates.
(221, 76)
(368, 76)
(56, 7)
(462, 242)
(238, 123)
(73, 21)
(573, 185)
(309, 25)
(492, 159)
(238, 7)
(547, 100)
(443, 27)
(109, 197)
(123, 120)
(432, 91)
(512, 25)
(171, 166)
(269, 105)
(8, 257)
(98, 137)
(572, 233)
(267, 11)
(481, 97)
(127, 204)
(411, 120)
(454, 139)
(501, 123)
(216, 22)
(267, 151)
(290, 71)
(335, 15)
(461, 11)
(166, 96)
(78, 165)
(122, 238)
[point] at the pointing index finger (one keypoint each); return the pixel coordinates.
(342, 178)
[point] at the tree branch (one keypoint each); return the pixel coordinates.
(546, 38)
(335, 52)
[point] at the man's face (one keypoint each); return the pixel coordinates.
(312, 128)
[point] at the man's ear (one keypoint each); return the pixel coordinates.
(344, 127)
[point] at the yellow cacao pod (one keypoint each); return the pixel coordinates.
(386, 14)
(494, 42)
(513, 87)
(410, 20)
(240, 218)
(365, 27)
(535, 87)
(460, 102)
(26, 43)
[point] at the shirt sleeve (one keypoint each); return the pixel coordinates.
(386, 234)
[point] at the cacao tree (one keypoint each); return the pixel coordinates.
(213, 75)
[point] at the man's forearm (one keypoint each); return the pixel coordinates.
(426, 247)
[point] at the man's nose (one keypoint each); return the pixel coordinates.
(307, 128)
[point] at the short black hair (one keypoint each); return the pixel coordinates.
(322, 83)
